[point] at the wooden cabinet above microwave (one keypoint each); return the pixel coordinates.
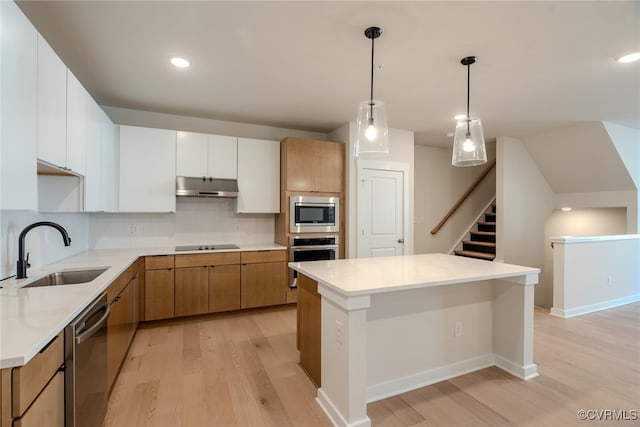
(312, 165)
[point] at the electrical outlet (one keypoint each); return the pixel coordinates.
(133, 229)
(609, 281)
(339, 332)
(457, 329)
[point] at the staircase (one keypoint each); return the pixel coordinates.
(480, 242)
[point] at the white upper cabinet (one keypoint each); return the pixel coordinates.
(93, 199)
(223, 156)
(191, 154)
(52, 105)
(77, 98)
(147, 170)
(100, 179)
(18, 133)
(200, 154)
(258, 176)
(109, 163)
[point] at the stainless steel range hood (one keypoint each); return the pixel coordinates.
(206, 187)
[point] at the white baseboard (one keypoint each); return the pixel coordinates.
(522, 372)
(578, 311)
(411, 382)
(335, 416)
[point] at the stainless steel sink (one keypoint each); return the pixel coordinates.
(70, 277)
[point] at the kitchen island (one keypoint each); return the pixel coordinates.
(394, 324)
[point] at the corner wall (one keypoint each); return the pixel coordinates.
(524, 200)
(438, 185)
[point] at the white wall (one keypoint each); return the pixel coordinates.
(595, 273)
(524, 200)
(578, 222)
(627, 142)
(438, 185)
(43, 243)
(196, 221)
(628, 200)
(401, 145)
(124, 116)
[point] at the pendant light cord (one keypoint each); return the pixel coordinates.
(371, 97)
(468, 91)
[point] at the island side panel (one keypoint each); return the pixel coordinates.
(344, 364)
(308, 328)
(411, 336)
(513, 328)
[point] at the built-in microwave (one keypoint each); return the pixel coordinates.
(314, 214)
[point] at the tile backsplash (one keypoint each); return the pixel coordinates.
(44, 244)
(195, 221)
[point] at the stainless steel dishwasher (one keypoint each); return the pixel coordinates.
(86, 391)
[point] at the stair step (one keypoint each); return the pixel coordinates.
(483, 236)
(478, 255)
(486, 226)
(479, 243)
(479, 246)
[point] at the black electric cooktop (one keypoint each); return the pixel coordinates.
(205, 247)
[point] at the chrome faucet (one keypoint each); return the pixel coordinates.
(23, 263)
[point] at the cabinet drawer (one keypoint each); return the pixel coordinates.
(204, 260)
(158, 262)
(30, 379)
(48, 409)
(253, 257)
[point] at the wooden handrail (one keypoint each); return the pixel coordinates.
(461, 200)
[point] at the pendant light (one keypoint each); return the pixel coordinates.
(468, 139)
(372, 137)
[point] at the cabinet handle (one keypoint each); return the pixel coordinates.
(48, 344)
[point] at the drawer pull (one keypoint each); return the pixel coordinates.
(48, 344)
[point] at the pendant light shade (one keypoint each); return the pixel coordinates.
(372, 137)
(371, 125)
(468, 139)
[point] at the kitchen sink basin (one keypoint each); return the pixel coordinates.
(70, 277)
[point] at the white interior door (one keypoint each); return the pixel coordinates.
(381, 213)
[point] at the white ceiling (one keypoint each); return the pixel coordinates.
(305, 65)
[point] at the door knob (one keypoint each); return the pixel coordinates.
(400, 240)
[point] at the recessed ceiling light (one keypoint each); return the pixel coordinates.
(459, 116)
(632, 57)
(566, 209)
(180, 62)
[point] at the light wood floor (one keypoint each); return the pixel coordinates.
(241, 370)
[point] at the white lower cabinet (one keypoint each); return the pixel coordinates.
(258, 176)
(147, 176)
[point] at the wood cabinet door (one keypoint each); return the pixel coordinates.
(158, 294)
(300, 165)
(308, 330)
(48, 408)
(263, 284)
(329, 166)
(191, 291)
(116, 333)
(224, 288)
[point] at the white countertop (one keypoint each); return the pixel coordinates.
(31, 317)
(365, 276)
(586, 239)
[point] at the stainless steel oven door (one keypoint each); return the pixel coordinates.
(309, 253)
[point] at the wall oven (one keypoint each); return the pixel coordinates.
(314, 214)
(302, 248)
